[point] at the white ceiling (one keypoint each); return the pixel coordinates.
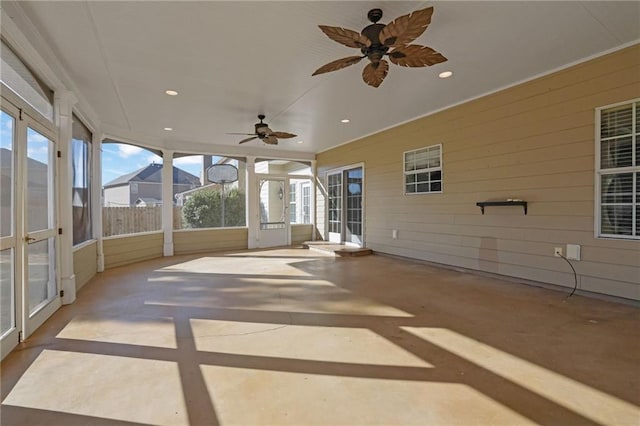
(230, 61)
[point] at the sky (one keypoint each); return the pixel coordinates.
(120, 159)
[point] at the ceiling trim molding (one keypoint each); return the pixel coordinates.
(491, 92)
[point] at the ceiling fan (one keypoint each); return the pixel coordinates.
(376, 40)
(264, 133)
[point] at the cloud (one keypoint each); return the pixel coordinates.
(192, 159)
(126, 151)
(34, 136)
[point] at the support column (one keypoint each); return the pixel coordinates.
(167, 201)
(253, 209)
(96, 196)
(312, 199)
(64, 103)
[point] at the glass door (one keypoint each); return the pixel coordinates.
(10, 302)
(334, 195)
(345, 190)
(273, 203)
(41, 298)
(353, 202)
(28, 281)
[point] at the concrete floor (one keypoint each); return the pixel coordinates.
(292, 336)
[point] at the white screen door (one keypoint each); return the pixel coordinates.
(274, 220)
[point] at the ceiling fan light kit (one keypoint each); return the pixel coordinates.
(378, 40)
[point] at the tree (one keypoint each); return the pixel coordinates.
(204, 209)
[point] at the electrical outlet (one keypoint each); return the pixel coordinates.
(394, 234)
(557, 252)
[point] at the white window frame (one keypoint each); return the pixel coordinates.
(307, 186)
(634, 169)
(405, 173)
(293, 204)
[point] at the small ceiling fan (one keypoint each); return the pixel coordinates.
(376, 40)
(264, 133)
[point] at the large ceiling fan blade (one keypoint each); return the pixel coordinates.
(406, 28)
(283, 135)
(347, 37)
(248, 139)
(271, 140)
(338, 64)
(240, 134)
(375, 72)
(415, 55)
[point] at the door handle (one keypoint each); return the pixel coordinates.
(28, 239)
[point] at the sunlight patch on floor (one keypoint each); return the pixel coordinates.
(103, 386)
(331, 400)
(578, 397)
(130, 330)
(238, 266)
(332, 344)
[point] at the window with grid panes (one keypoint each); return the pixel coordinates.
(423, 170)
(293, 214)
(618, 171)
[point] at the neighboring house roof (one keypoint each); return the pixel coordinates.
(153, 174)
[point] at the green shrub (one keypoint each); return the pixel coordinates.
(204, 209)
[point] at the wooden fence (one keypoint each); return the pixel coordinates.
(130, 220)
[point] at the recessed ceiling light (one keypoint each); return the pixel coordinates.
(345, 120)
(300, 141)
(168, 129)
(445, 74)
(171, 92)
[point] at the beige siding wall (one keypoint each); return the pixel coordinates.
(301, 233)
(205, 240)
(123, 250)
(85, 263)
(535, 142)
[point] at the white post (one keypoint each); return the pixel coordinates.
(96, 197)
(312, 199)
(167, 201)
(253, 209)
(65, 102)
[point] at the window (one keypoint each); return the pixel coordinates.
(203, 203)
(132, 189)
(306, 203)
(81, 189)
(293, 214)
(423, 170)
(618, 171)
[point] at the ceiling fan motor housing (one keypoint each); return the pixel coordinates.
(376, 50)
